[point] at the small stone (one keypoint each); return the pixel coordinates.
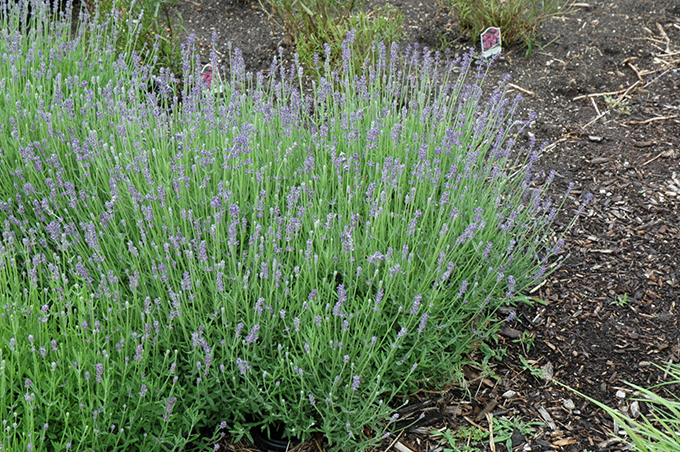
(621, 394)
(568, 404)
(635, 410)
(517, 438)
(509, 394)
(644, 364)
(510, 332)
(665, 317)
(595, 138)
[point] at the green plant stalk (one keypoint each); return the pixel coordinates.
(659, 432)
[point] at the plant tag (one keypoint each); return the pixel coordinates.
(491, 41)
(211, 79)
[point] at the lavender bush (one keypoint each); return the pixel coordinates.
(257, 255)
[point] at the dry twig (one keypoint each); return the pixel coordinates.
(658, 118)
(525, 91)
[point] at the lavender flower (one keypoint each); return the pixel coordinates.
(416, 304)
(243, 366)
(342, 298)
(219, 283)
(511, 316)
(356, 381)
(487, 251)
(169, 404)
(423, 322)
(511, 286)
(539, 274)
(254, 334)
(186, 282)
(463, 288)
(139, 352)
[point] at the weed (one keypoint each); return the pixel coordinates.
(622, 106)
(472, 437)
(620, 300)
(526, 340)
(505, 427)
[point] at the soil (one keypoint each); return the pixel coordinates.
(610, 313)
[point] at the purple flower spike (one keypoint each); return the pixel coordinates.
(356, 381)
(416, 304)
(243, 366)
(342, 298)
(254, 334)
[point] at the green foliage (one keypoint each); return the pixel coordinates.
(659, 431)
(621, 105)
(472, 437)
(313, 24)
(621, 300)
(519, 20)
(526, 340)
(155, 31)
(505, 427)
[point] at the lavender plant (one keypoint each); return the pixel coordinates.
(173, 271)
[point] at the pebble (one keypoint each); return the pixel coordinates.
(635, 410)
(509, 394)
(621, 394)
(568, 404)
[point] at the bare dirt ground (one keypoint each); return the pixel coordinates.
(611, 311)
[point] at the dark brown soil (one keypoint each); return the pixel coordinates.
(611, 311)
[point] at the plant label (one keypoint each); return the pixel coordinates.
(491, 41)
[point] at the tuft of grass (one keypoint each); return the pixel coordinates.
(621, 300)
(658, 431)
(519, 20)
(526, 341)
(318, 28)
(257, 256)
